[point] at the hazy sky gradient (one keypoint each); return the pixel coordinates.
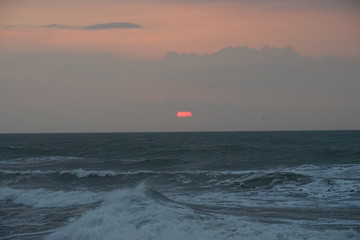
(104, 65)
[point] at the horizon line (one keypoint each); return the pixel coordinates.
(205, 131)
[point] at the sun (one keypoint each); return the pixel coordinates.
(184, 114)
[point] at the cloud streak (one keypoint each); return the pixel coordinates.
(102, 26)
(111, 25)
(58, 26)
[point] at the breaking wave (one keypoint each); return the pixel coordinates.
(142, 213)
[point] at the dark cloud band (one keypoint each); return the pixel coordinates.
(102, 26)
(58, 26)
(111, 25)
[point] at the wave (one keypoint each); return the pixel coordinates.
(27, 172)
(141, 213)
(334, 170)
(250, 178)
(12, 147)
(256, 180)
(80, 173)
(31, 160)
(43, 198)
(157, 162)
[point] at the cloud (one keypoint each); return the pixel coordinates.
(58, 26)
(111, 25)
(102, 26)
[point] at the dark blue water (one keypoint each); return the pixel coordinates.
(205, 185)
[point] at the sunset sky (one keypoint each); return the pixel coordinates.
(313, 27)
(103, 65)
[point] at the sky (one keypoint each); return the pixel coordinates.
(121, 65)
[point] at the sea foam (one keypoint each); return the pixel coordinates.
(140, 214)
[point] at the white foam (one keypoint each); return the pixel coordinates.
(337, 193)
(343, 193)
(332, 171)
(80, 173)
(133, 214)
(40, 198)
(317, 187)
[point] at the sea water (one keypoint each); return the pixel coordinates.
(204, 185)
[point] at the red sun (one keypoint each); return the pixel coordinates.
(184, 114)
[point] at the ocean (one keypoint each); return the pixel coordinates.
(190, 185)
